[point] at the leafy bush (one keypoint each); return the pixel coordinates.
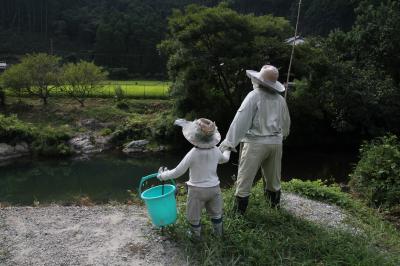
(13, 130)
(163, 129)
(377, 175)
(318, 190)
(47, 141)
(50, 141)
(136, 127)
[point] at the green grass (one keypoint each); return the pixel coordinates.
(139, 88)
(267, 236)
(130, 88)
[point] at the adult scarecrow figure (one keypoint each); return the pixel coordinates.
(261, 123)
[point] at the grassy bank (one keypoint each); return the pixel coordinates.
(275, 237)
(127, 119)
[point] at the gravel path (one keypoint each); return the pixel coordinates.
(99, 235)
(317, 212)
(112, 235)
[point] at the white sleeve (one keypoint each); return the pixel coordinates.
(224, 157)
(182, 167)
(242, 122)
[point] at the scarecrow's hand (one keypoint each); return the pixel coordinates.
(160, 171)
(226, 147)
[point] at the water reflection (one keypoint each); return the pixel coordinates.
(107, 177)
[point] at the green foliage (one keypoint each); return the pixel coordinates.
(38, 74)
(360, 91)
(12, 130)
(15, 78)
(377, 175)
(318, 190)
(266, 236)
(163, 129)
(208, 51)
(46, 141)
(105, 131)
(317, 17)
(81, 79)
(51, 141)
(134, 127)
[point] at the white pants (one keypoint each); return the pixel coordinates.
(254, 156)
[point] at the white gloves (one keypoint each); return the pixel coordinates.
(160, 171)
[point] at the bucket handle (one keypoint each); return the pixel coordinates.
(145, 178)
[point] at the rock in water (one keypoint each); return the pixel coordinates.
(135, 146)
(9, 152)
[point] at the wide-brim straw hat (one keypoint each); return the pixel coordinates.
(266, 77)
(201, 132)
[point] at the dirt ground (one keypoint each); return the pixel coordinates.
(113, 235)
(98, 235)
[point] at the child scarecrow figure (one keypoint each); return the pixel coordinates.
(203, 184)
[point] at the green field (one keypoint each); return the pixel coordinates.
(130, 88)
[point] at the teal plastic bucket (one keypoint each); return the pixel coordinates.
(160, 202)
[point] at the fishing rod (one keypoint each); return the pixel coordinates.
(293, 45)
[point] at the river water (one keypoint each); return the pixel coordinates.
(107, 177)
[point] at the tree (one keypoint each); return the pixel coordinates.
(42, 72)
(80, 79)
(16, 79)
(360, 90)
(209, 50)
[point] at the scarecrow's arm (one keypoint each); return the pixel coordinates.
(178, 171)
(241, 123)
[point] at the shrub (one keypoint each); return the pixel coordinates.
(163, 129)
(12, 130)
(134, 128)
(51, 142)
(376, 177)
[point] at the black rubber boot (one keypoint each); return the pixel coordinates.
(218, 227)
(241, 204)
(274, 198)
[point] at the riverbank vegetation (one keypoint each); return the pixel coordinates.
(268, 236)
(48, 128)
(376, 175)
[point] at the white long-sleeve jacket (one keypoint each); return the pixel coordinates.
(202, 165)
(263, 118)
